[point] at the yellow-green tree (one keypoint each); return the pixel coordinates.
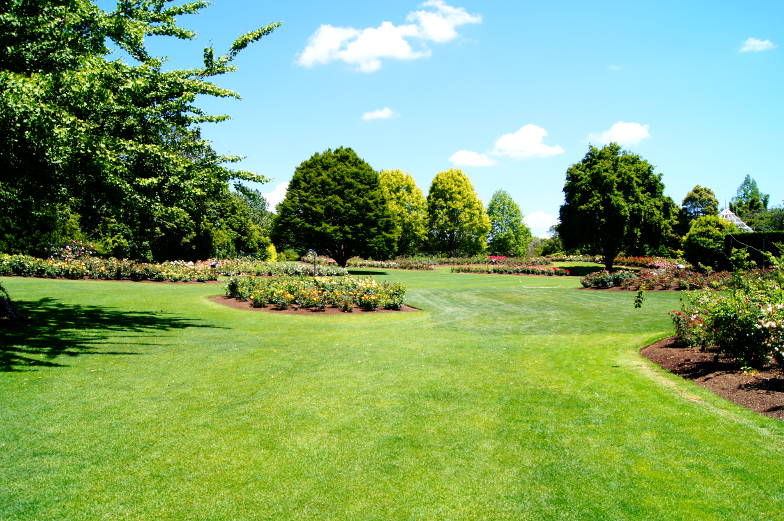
(456, 220)
(408, 208)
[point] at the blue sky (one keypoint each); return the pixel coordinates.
(510, 92)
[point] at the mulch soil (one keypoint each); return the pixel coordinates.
(246, 305)
(762, 391)
(628, 290)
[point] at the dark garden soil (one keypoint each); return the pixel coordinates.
(246, 305)
(629, 290)
(762, 391)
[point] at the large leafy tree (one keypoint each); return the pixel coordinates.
(699, 202)
(108, 148)
(457, 222)
(508, 235)
(408, 208)
(334, 205)
(614, 202)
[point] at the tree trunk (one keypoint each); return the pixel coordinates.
(608, 262)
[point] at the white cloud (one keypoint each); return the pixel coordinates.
(526, 142)
(623, 133)
(614, 68)
(469, 158)
(276, 195)
(540, 223)
(439, 25)
(385, 41)
(756, 45)
(385, 113)
(365, 49)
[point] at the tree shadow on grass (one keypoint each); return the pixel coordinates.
(581, 271)
(50, 330)
(366, 272)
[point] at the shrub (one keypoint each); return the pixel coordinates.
(746, 322)
(704, 244)
(604, 279)
(272, 254)
(756, 244)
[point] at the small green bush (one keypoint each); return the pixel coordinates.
(604, 279)
(703, 246)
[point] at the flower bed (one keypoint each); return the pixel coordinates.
(104, 269)
(669, 277)
(511, 270)
(401, 264)
(575, 258)
(175, 271)
(746, 322)
(344, 293)
(646, 262)
(233, 267)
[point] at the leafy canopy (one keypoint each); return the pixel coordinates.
(93, 147)
(703, 246)
(408, 208)
(335, 205)
(508, 235)
(457, 222)
(700, 201)
(614, 202)
(748, 199)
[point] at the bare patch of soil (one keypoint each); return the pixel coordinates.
(246, 305)
(762, 391)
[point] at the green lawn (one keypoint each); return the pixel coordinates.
(506, 398)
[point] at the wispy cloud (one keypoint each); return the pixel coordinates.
(385, 113)
(623, 133)
(756, 45)
(614, 68)
(470, 158)
(364, 49)
(526, 142)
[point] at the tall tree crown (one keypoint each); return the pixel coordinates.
(508, 232)
(408, 208)
(613, 202)
(457, 222)
(335, 205)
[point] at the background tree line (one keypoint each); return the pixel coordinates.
(338, 205)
